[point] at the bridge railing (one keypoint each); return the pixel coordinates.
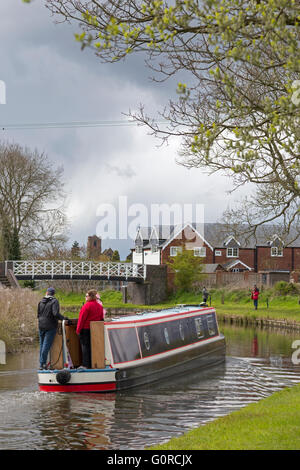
(70, 269)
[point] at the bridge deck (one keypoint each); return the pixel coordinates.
(77, 270)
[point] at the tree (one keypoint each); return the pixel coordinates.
(115, 256)
(187, 268)
(31, 201)
(9, 243)
(75, 250)
(14, 248)
(237, 66)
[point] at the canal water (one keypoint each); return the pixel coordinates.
(258, 363)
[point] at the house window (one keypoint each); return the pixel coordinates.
(200, 251)
(174, 250)
(232, 252)
(276, 251)
(138, 249)
(218, 253)
(154, 248)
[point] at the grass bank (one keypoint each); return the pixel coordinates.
(281, 303)
(270, 424)
(110, 298)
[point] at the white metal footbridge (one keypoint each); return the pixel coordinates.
(40, 269)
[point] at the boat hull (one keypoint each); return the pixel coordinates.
(111, 380)
(88, 380)
(199, 357)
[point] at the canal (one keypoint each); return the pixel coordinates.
(258, 363)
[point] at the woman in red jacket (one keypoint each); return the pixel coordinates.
(90, 311)
(254, 296)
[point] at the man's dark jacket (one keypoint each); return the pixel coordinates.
(48, 313)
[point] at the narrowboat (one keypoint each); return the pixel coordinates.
(135, 350)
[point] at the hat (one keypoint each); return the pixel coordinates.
(51, 291)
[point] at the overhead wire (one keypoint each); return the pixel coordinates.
(70, 125)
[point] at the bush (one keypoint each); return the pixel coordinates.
(18, 317)
(188, 271)
(30, 284)
(283, 288)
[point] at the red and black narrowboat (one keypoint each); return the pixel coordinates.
(135, 350)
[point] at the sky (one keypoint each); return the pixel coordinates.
(113, 174)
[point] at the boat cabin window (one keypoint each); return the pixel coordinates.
(146, 341)
(166, 336)
(211, 326)
(181, 330)
(124, 344)
(199, 327)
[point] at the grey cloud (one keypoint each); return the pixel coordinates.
(126, 172)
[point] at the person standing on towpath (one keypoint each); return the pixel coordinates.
(254, 296)
(205, 294)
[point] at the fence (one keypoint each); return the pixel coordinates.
(237, 279)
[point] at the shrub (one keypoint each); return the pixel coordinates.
(285, 288)
(18, 317)
(188, 270)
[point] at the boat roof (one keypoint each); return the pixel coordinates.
(151, 315)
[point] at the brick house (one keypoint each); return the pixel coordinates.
(218, 245)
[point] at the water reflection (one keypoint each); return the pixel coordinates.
(258, 362)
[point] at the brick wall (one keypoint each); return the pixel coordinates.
(78, 286)
(246, 255)
(267, 262)
(152, 291)
(296, 258)
(190, 240)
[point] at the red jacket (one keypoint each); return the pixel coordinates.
(255, 294)
(90, 311)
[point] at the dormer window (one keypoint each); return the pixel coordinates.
(154, 248)
(276, 246)
(232, 252)
(232, 247)
(276, 251)
(154, 241)
(231, 241)
(275, 240)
